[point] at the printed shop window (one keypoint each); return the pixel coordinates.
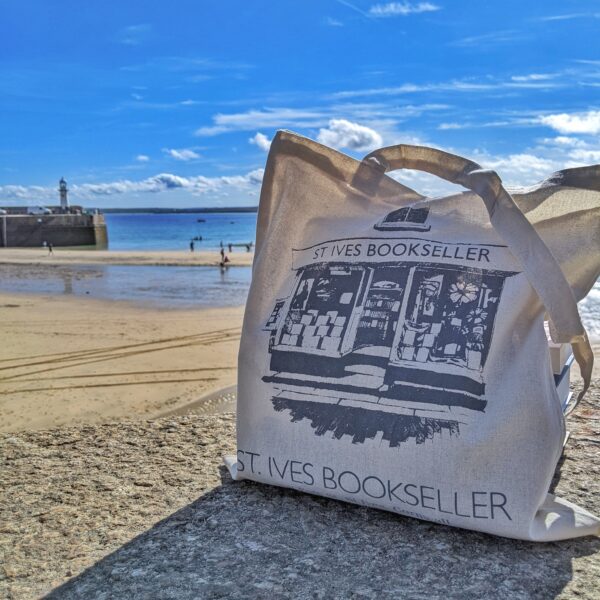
(275, 316)
(321, 307)
(379, 319)
(449, 317)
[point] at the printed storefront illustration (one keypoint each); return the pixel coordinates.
(391, 350)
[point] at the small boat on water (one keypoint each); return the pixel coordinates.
(201, 220)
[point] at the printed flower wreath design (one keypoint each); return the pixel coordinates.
(462, 292)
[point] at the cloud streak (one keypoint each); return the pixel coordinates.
(184, 154)
(537, 81)
(134, 35)
(488, 39)
(568, 17)
(267, 118)
(315, 117)
(401, 9)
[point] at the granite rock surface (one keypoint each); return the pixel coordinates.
(136, 510)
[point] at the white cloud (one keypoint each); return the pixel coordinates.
(142, 158)
(564, 141)
(163, 182)
(183, 154)
(586, 156)
(25, 193)
(341, 133)
(261, 140)
(516, 166)
(535, 164)
(396, 9)
(447, 126)
(166, 181)
(333, 22)
(515, 170)
(583, 122)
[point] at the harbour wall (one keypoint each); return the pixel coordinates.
(55, 229)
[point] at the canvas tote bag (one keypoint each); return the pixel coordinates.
(393, 352)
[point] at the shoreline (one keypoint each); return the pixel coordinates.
(171, 258)
(82, 361)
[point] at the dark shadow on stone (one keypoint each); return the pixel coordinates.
(362, 424)
(245, 540)
(557, 474)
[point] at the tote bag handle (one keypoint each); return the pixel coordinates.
(540, 267)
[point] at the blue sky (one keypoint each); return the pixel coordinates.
(145, 103)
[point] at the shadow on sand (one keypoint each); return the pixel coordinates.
(244, 540)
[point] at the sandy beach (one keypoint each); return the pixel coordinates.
(40, 256)
(67, 360)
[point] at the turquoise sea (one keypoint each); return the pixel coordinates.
(150, 231)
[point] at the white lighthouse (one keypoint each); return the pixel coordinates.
(62, 188)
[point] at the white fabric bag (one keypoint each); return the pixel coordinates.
(393, 351)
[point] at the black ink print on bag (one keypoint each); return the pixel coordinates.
(380, 348)
(405, 219)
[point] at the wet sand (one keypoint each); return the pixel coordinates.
(68, 360)
(149, 285)
(40, 256)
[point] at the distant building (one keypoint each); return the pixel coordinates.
(62, 188)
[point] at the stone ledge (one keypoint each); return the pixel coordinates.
(144, 510)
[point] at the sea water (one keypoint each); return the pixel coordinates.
(589, 310)
(174, 231)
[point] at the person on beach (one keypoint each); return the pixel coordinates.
(230, 248)
(50, 251)
(222, 255)
(192, 246)
(224, 262)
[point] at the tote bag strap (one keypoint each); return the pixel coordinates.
(540, 266)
